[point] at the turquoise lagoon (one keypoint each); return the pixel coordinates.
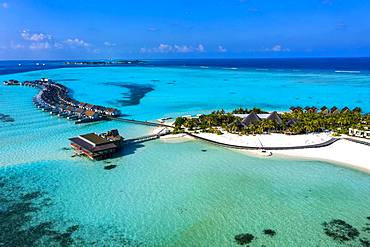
(172, 193)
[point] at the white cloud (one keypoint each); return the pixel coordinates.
(40, 46)
(278, 48)
(166, 48)
(106, 43)
(76, 42)
(200, 48)
(5, 5)
(221, 49)
(36, 37)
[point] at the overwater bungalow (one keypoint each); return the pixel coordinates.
(112, 112)
(81, 105)
(79, 112)
(12, 83)
(90, 114)
(97, 147)
(99, 109)
(88, 106)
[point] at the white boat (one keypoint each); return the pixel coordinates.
(264, 152)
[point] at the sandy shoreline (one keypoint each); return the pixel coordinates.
(342, 152)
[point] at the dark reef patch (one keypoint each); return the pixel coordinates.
(6, 118)
(135, 94)
(365, 242)
(244, 238)
(17, 223)
(204, 150)
(20, 225)
(341, 231)
(366, 229)
(109, 167)
(269, 232)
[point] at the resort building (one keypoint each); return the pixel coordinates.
(359, 133)
(324, 110)
(334, 110)
(310, 109)
(345, 110)
(252, 118)
(97, 147)
(92, 115)
(274, 116)
(357, 110)
(295, 109)
(112, 112)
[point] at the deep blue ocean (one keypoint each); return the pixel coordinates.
(341, 65)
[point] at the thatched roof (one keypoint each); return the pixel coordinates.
(252, 118)
(346, 109)
(357, 110)
(324, 108)
(291, 122)
(274, 116)
(334, 109)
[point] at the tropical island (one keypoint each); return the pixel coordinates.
(257, 121)
(329, 134)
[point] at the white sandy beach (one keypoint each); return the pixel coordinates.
(342, 152)
(271, 140)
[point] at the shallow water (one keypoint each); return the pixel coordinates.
(172, 193)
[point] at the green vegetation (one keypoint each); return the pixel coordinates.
(297, 122)
(247, 111)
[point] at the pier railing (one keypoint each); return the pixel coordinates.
(145, 138)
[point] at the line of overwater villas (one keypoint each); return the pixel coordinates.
(53, 98)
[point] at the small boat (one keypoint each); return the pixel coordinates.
(265, 152)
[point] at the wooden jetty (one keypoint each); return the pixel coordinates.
(147, 123)
(145, 138)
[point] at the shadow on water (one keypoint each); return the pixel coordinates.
(130, 148)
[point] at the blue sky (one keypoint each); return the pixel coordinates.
(80, 29)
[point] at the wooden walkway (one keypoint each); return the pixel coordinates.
(147, 137)
(319, 145)
(147, 123)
